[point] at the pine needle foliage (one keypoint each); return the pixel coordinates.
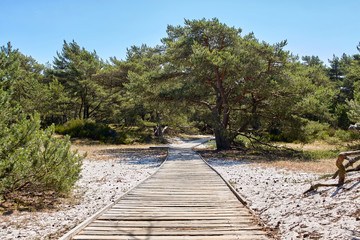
(31, 159)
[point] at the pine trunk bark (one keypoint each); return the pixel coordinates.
(223, 142)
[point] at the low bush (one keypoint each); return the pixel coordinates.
(32, 159)
(346, 136)
(86, 128)
(319, 154)
(315, 130)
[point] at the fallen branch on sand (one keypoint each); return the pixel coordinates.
(342, 169)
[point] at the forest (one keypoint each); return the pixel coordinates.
(205, 78)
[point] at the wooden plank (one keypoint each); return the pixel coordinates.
(227, 237)
(180, 210)
(198, 223)
(177, 217)
(185, 199)
(176, 232)
(218, 227)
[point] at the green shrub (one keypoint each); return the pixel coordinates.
(319, 154)
(315, 130)
(346, 136)
(310, 131)
(86, 128)
(323, 135)
(32, 158)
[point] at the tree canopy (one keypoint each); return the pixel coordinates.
(203, 75)
(239, 80)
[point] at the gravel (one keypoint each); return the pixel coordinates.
(276, 196)
(102, 182)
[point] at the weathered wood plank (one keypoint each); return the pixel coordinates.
(176, 232)
(185, 199)
(192, 223)
(176, 228)
(205, 237)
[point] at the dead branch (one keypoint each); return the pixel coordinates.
(339, 163)
(351, 162)
(264, 143)
(342, 169)
(316, 186)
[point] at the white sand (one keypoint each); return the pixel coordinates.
(277, 197)
(102, 183)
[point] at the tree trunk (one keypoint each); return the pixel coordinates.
(223, 141)
(159, 131)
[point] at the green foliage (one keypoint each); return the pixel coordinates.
(22, 75)
(354, 74)
(114, 133)
(239, 82)
(205, 76)
(354, 112)
(314, 131)
(75, 69)
(319, 154)
(346, 136)
(341, 113)
(31, 158)
(314, 92)
(86, 128)
(31, 89)
(132, 135)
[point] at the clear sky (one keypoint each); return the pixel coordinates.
(312, 27)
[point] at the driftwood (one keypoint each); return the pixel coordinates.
(316, 186)
(342, 169)
(351, 162)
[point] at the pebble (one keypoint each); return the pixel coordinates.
(277, 196)
(104, 175)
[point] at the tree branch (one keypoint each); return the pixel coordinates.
(222, 44)
(223, 75)
(238, 99)
(200, 102)
(269, 64)
(207, 43)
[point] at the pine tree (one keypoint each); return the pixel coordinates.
(75, 68)
(240, 81)
(30, 158)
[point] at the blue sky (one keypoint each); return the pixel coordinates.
(312, 27)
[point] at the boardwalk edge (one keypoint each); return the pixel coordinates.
(259, 221)
(87, 221)
(232, 189)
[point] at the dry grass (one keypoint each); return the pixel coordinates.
(32, 201)
(282, 160)
(97, 151)
(106, 152)
(318, 166)
(276, 158)
(315, 146)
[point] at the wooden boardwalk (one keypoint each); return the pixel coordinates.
(185, 199)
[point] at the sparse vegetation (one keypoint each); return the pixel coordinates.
(206, 77)
(318, 156)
